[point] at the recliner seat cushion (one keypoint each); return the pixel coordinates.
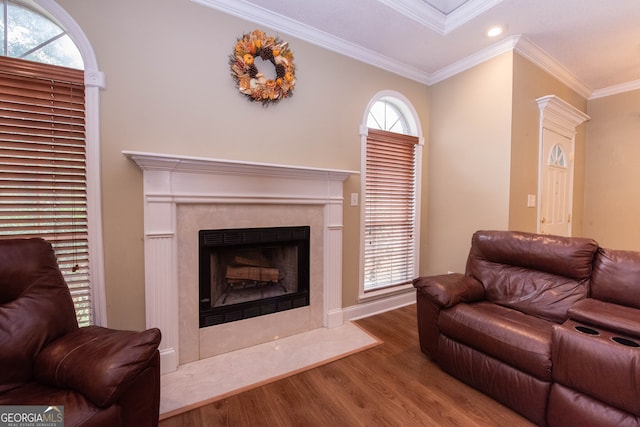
(515, 338)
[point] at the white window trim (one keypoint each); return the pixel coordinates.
(94, 81)
(416, 130)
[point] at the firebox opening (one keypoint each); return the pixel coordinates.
(252, 272)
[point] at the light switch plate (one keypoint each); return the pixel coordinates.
(531, 201)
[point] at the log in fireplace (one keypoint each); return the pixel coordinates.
(251, 272)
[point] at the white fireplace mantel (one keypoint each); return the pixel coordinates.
(169, 180)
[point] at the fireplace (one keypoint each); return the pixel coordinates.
(183, 195)
(252, 272)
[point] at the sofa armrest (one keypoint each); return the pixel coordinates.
(606, 315)
(98, 362)
(447, 290)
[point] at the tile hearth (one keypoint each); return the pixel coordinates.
(208, 380)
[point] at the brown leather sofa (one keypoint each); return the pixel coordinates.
(100, 376)
(548, 326)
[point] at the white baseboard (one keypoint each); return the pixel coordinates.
(377, 306)
(334, 318)
(168, 360)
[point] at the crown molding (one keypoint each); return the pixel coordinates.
(420, 12)
(259, 15)
(545, 61)
(526, 49)
(474, 59)
(250, 12)
(467, 12)
(425, 14)
(614, 90)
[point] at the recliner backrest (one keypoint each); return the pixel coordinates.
(616, 277)
(35, 306)
(540, 275)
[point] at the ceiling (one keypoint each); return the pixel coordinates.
(591, 45)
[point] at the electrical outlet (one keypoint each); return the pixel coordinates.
(354, 199)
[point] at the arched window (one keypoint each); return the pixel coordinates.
(28, 34)
(391, 165)
(48, 146)
(557, 157)
(384, 114)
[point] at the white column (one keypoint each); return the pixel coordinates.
(161, 270)
(333, 315)
(161, 291)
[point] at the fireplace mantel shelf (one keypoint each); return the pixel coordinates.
(179, 163)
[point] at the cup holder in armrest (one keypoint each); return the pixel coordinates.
(586, 330)
(625, 341)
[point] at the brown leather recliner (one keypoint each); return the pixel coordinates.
(548, 326)
(100, 376)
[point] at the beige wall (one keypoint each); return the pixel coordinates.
(469, 162)
(612, 201)
(484, 140)
(169, 91)
(530, 82)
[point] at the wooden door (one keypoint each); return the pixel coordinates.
(556, 189)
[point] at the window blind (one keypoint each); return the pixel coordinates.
(42, 166)
(390, 206)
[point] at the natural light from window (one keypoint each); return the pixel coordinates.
(389, 200)
(385, 115)
(27, 34)
(43, 175)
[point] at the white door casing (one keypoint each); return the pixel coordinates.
(558, 122)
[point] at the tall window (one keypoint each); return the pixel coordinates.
(43, 190)
(390, 196)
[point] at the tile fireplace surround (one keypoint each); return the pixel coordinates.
(185, 194)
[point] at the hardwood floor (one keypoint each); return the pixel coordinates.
(393, 384)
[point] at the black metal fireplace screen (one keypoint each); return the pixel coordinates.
(251, 272)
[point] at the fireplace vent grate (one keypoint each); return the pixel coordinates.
(232, 237)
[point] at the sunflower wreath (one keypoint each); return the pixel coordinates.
(249, 80)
